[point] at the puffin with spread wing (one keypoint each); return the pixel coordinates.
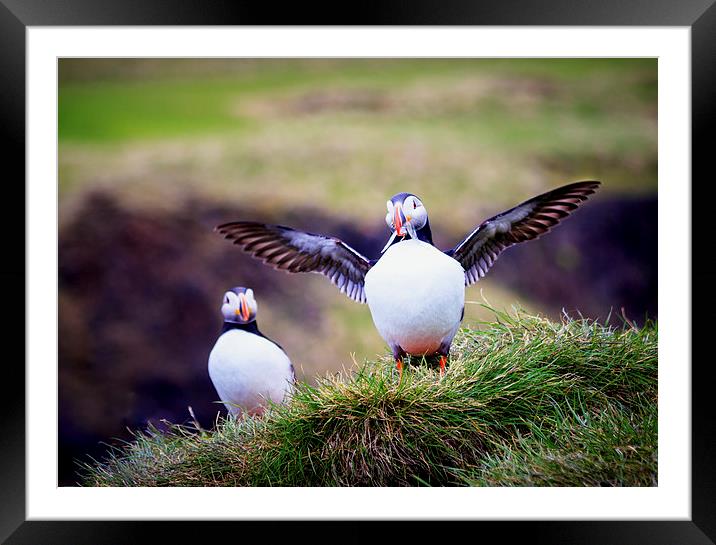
(415, 292)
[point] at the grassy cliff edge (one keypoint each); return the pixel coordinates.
(526, 402)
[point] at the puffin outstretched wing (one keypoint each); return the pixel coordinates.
(296, 251)
(526, 221)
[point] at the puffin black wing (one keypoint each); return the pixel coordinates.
(526, 221)
(296, 251)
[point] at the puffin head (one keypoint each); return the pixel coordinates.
(239, 305)
(406, 215)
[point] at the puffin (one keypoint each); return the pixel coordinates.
(415, 291)
(247, 368)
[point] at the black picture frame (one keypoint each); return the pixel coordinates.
(17, 15)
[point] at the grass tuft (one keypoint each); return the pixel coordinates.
(526, 402)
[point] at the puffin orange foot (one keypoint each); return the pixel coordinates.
(399, 365)
(443, 361)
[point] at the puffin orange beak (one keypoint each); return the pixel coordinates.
(244, 311)
(398, 220)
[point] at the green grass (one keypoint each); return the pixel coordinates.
(162, 101)
(470, 136)
(526, 402)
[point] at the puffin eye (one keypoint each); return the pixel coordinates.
(415, 204)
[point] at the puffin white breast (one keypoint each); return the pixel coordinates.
(247, 370)
(416, 296)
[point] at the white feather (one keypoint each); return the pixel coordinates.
(416, 295)
(390, 241)
(247, 370)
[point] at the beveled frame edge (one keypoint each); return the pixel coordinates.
(16, 15)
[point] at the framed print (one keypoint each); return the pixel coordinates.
(124, 182)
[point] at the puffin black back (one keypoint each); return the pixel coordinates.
(251, 327)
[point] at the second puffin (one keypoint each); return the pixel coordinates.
(248, 369)
(415, 292)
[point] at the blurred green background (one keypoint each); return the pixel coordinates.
(153, 153)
